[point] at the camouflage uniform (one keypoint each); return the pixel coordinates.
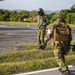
(60, 49)
(42, 23)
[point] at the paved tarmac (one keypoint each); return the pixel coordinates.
(11, 36)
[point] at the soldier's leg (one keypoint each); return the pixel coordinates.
(42, 38)
(60, 59)
(39, 38)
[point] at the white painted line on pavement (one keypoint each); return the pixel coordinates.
(39, 71)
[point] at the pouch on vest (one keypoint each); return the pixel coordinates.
(61, 33)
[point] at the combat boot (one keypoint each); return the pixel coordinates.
(45, 44)
(43, 47)
(67, 72)
(40, 47)
(60, 69)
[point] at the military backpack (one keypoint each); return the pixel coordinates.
(61, 32)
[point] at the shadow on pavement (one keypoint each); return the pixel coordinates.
(72, 72)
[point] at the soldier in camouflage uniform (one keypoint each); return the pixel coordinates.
(61, 48)
(42, 23)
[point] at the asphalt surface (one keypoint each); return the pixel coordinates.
(11, 36)
(53, 71)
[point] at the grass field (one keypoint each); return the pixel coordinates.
(27, 23)
(19, 23)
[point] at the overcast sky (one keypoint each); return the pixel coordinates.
(35, 4)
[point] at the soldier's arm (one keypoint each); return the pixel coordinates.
(49, 34)
(38, 21)
(47, 20)
(70, 36)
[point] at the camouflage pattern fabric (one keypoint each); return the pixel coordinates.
(42, 23)
(60, 49)
(41, 34)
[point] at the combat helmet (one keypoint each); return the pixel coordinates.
(40, 11)
(62, 18)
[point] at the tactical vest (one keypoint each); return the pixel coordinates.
(43, 21)
(61, 32)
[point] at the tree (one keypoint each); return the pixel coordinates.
(6, 15)
(13, 15)
(73, 8)
(1, 14)
(52, 17)
(64, 12)
(23, 14)
(70, 18)
(33, 13)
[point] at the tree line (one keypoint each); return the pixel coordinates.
(68, 15)
(30, 16)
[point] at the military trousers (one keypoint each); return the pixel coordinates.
(60, 58)
(41, 35)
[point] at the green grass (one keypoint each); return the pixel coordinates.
(8, 68)
(28, 55)
(25, 56)
(72, 25)
(19, 23)
(28, 23)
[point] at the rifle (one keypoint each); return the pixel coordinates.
(73, 47)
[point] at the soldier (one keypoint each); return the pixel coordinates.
(61, 48)
(42, 23)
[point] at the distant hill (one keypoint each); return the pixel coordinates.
(18, 10)
(49, 11)
(46, 11)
